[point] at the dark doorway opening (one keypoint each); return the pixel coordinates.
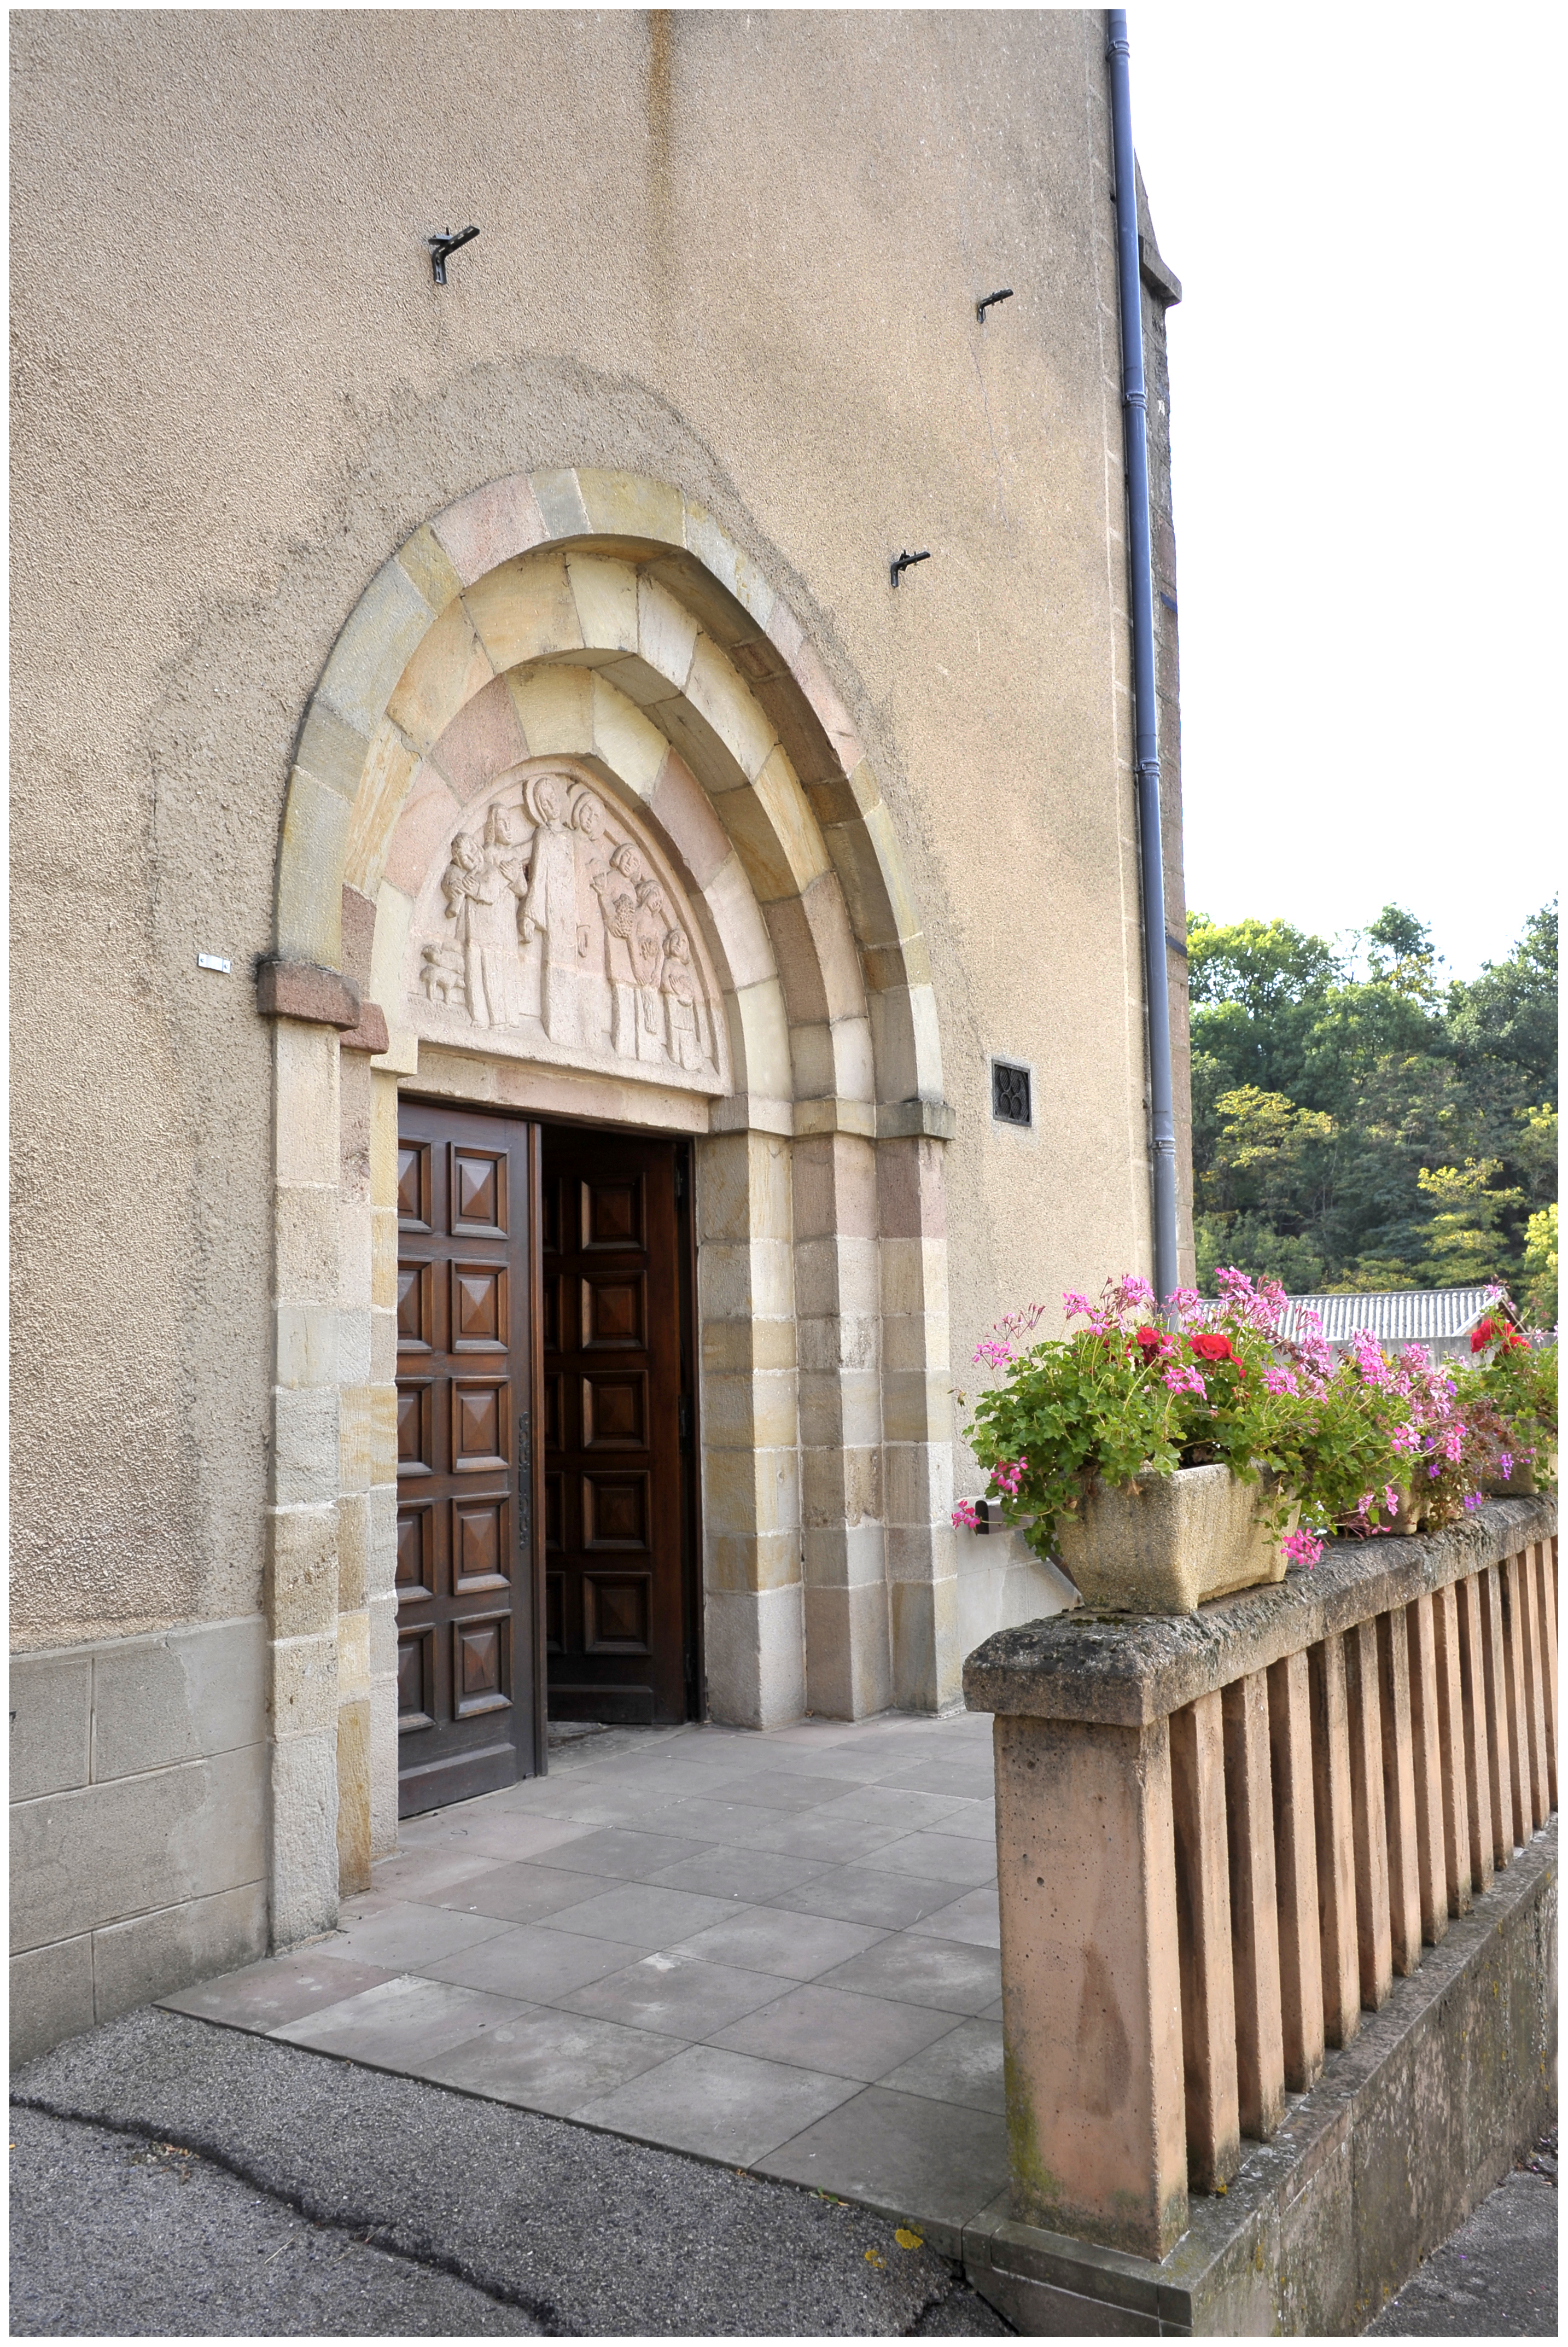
(619, 1403)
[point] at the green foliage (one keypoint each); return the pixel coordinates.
(1357, 1124)
(1518, 1380)
(1541, 1267)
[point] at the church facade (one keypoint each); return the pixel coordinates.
(590, 989)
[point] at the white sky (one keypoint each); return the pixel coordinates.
(1367, 406)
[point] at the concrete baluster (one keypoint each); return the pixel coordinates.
(1091, 2004)
(1450, 1738)
(1255, 1910)
(1295, 1871)
(1473, 1697)
(1513, 1684)
(1546, 1616)
(1203, 1909)
(1426, 1749)
(1335, 1842)
(1369, 1829)
(1494, 1651)
(1399, 1792)
(1522, 1567)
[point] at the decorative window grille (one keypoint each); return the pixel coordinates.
(1011, 1102)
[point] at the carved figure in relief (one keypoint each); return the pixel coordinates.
(483, 903)
(650, 927)
(442, 974)
(554, 919)
(681, 997)
(549, 911)
(616, 888)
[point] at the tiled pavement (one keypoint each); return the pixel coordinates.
(775, 1951)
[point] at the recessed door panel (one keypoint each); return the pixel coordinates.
(615, 1411)
(469, 1571)
(618, 1613)
(478, 1178)
(481, 1545)
(612, 1216)
(615, 1312)
(481, 1665)
(414, 1175)
(478, 1304)
(481, 1415)
(415, 1553)
(414, 1427)
(615, 1511)
(415, 1657)
(415, 1323)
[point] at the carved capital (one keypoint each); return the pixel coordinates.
(308, 990)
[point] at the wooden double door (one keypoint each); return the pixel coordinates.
(546, 1498)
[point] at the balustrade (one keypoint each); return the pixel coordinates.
(1222, 1838)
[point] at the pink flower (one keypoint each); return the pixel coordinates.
(1279, 1381)
(993, 1352)
(1076, 1306)
(1505, 1460)
(1185, 1299)
(1303, 1548)
(1188, 1381)
(1407, 1437)
(965, 1517)
(1008, 1477)
(1391, 1498)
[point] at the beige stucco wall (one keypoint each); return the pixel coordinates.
(737, 252)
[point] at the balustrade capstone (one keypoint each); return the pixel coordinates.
(1222, 1836)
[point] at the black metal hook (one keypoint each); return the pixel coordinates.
(442, 245)
(904, 562)
(982, 307)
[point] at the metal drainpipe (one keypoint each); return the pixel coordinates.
(1134, 406)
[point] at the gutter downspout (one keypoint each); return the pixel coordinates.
(1134, 409)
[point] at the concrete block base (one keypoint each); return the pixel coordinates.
(1405, 2133)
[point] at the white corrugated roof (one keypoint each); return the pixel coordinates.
(1406, 1316)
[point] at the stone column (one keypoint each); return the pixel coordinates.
(303, 1547)
(918, 1408)
(381, 1563)
(754, 1648)
(837, 1310)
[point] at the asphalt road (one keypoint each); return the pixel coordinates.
(171, 2178)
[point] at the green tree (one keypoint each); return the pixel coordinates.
(1327, 1086)
(1465, 1239)
(1541, 1267)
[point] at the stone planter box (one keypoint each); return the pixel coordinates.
(1521, 1483)
(1167, 1544)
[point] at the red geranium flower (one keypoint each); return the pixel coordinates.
(1214, 1348)
(1481, 1336)
(1148, 1341)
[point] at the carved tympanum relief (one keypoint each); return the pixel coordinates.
(551, 928)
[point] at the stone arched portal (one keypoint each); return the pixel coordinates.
(602, 629)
